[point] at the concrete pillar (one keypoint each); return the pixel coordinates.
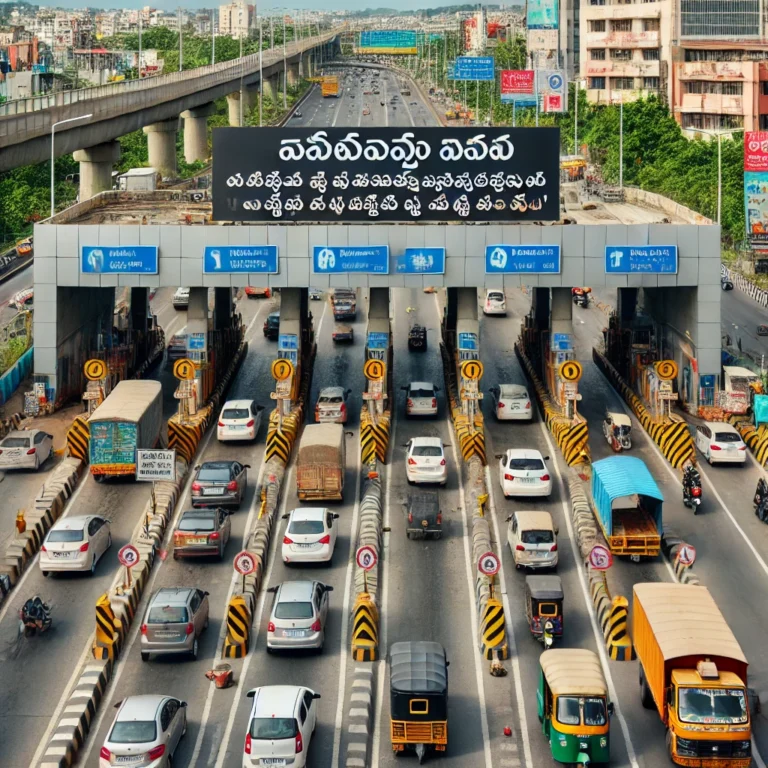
(161, 142)
(96, 168)
(540, 307)
(293, 75)
(626, 303)
(309, 65)
(223, 308)
(197, 331)
(271, 85)
(251, 96)
(139, 309)
(196, 132)
(562, 310)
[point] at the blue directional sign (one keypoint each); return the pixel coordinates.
(421, 261)
(229, 259)
(118, 260)
(522, 259)
(196, 341)
(377, 340)
(330, 259)
(640, 259)
(473, 68)
(392, 40)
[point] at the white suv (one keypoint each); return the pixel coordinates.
(425, 461)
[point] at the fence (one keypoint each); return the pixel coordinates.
(12, 378)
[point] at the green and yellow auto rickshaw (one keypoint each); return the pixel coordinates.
(573, 706)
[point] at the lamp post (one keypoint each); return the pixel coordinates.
(140, 14)
(53, 159)
(285, 70)
(181, 50)
(261, 73)
(213, 35)
(621, 142)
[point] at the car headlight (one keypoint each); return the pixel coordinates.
(686, 747)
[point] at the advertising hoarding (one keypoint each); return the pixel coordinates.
(542, 14)
(386, 174)
(517, 86)
(756, 151)
(552, 90)
(756, 188)
(472, 68)
(389, 42)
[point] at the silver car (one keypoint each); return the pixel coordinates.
(421, 399)
(219, 484)
(298, 617)
(174, 621)
(146, 732)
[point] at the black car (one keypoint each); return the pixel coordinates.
(424, 515)
(272, 326)
(417, 339)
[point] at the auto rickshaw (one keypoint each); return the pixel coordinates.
(573, 706)
(544, 608)
(418, 697)
(617, 429)
(417, 338)
(424, 517)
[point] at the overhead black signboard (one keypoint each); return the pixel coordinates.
(386, 174)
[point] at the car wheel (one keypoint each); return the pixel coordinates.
(221, 554)
(269, 650)
(37, 463)
(410, 482)
(193, 652)
(144, 656)
(407, 534)
(46, 574)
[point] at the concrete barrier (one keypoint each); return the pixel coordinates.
(360, 715)
(670, 544)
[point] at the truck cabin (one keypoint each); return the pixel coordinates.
(708, 694)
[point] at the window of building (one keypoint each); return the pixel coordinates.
(623, 83)
(597, 83)
(621, 54)
(650, 54)
(696, 54)
(706, 86)
(621, 25)
(598, 54)
(650, 25)
(720, 18)
(764, 87)
(733, 89)
(712, 122)
(764, 122)
(651, 83)
(597, 26)
(597, 2)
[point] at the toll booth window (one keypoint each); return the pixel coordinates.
(419, 706)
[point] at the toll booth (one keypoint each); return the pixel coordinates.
(378, 345)
(295, 342)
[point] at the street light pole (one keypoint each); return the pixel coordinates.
(285, 70)
(213, 35)
(181, 50)
(261, 73)
(53, 159)
(621, 142)
(576, 118)
(242, 89)
(140, 45)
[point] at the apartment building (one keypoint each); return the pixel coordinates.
(236, 19)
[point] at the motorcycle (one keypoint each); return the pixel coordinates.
(617, 430)
(580, 296)
(35, 617)
(691, 488)
(761, 500)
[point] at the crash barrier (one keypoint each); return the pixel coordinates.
(185, 436)
(493, 631)
(281, 438)
(672, 436)
(587, 530)
(745, 285)
(11, 380)
(755, 437)
(471, 436)
(670, 544)
(11, 422)
(613, 617)
(78, 438)
(374, 437)
(572, 436)
(365, 628)
(360, 716)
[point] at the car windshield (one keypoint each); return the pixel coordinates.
(16, 442)
(235, 413)
(60, 536)
(727, 437)
(273, 728)
(133, 732)
(496, 297)
(568, 710)
(329, 399)
(422, 393)
(306, 526)
(293, 611)
(537, 537)
(168, 614)
(594, 711)
(197, 523)
(214, 474)
(713, 705)
(431, 451)
(531, 464)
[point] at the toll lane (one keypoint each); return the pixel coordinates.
(739, 318)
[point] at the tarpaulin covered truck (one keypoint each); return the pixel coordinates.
(130, 417)
(693, 671)
(321, 463)
(627, 504)
(329, 87)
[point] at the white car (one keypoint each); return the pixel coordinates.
(421, 399)
(310, 536)
(180, 298)
(522, 472)
(331, 406)
(495, 302)
(25, 449)
(720, 443)
(280, 726)
(511, 402)
(75, 544)
(425, 461)
(239, 420)
(532, 539)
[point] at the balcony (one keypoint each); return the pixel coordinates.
(622, 39)
(622, 68)
(712, 103)
(738, 71)
(612, 96)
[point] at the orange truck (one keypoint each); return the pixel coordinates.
(693, 671)
(321, 464)
(329, 87)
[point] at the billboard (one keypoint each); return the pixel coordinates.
(386, 174)
(517, 86)
(389, 42)
(552, 90)
(473, 68)
(542, 14)
(756, 187)
(756, 151)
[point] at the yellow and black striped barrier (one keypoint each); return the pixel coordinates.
(612, 615)
(78, 438)
(676, 443)
(108, 631)
(365, 629)
(374, 437)
(281, 437)
(238, 629)
(493, 631)
(756, 439)
(471, 437)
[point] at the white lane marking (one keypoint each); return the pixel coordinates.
(510, 629)
(255, 317)
(345, 616)
(260, 614)
(338, 110)
(599, 640)
(320, 324)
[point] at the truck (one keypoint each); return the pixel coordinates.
(130, 418)
(627, 505)
(344, 303)
(321, 463)
(694, 673)
(329, 87)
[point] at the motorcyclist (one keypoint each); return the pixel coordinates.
(691, 485)
(36, 611)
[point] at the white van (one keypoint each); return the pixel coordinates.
(720, 443)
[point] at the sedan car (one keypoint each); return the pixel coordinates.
(145, 732)
(272, 326)
(343, 333)
(239, 420)
(280, 726)
(720, 443)
(425, 461)
(511, 402)
(174, 621)
(25, 449)
(495, 303)
(421, 399)
(522, 472)
(180, 298)
(219, 484)
(298, 617)
(310, 536)
(75, 544)
(202, 532)
(331, 405)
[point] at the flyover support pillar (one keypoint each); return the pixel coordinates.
(196, 132)
(197, 333)
(251, 100)
(139, 309)
(561, 347)
(223, 308)
(96, 168)
(161, 143)
(270, 88)
(293, 75)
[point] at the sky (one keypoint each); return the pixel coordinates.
(169, 5)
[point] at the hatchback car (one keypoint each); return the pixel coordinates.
(425, 461)
(25, 449)
(343, 333)
(202, 532)
(180, 299)
(75, 544)
(272, 326)
(174, 621)
(331, 405)
(280, 726)
(522, 472)
(145, 732)
(239, 420)
(298, 617)
(720, 443)
(315, 294)
(219, 484)
(511, 402)
(532, 539)
(310, 536)
(495, 303)
(421, 399)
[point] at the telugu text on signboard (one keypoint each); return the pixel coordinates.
(155, 465)
(386, 174)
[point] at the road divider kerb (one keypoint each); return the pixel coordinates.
(670, 545)
(360, 717)
(374, 437)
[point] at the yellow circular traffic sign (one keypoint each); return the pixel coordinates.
(282, 369)
(374, 369)
(666, 369)
(95, 369)
(472, 369)
(184, 369)
(570, 370)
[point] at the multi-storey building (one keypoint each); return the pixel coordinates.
(236, 19)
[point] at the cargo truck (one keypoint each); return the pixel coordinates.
(693, 671)
(627, 504)
(321, 463)
(329, 87)
(131, 417)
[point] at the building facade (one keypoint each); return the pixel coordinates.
(236, 19)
